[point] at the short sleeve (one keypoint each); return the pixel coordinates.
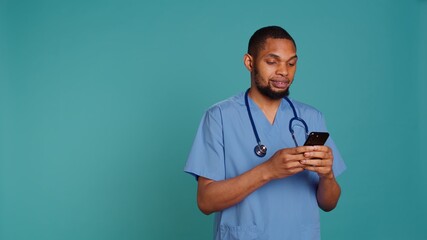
(206, 157)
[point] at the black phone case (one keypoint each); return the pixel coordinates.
(316, 138)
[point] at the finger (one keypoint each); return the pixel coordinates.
(322, 148)
(297, 170)
(315, 163)
(290, 154)
(292, 158)
(320, 155)
(294, 164)
(319, 170)
(313, 169)
(299, 150)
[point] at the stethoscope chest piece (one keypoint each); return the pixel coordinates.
(260, 150)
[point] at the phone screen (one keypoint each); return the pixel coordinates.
(316, 138)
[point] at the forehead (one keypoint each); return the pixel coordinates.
(283, 48)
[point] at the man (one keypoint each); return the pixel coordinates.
(271, 196)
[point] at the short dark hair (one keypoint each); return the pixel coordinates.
(256, 42)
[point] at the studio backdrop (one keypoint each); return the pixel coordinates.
(100, 102)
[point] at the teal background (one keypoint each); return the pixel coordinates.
(100, 101)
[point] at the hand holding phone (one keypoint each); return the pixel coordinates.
(316, 138)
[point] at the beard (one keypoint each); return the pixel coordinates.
(267, 91)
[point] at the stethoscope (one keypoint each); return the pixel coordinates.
(260, 149)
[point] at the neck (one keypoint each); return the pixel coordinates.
(267, 105)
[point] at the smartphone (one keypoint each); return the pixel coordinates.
(316, 138)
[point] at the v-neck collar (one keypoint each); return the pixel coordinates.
(261, 121)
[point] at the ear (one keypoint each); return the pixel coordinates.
(248, 60)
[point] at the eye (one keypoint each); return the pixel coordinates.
(270, 62)
(291, 64)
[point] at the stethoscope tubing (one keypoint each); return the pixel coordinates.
(260, 149)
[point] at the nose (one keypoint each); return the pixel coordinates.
(282, 70)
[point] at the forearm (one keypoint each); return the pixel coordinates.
(328, 193)
(215, 196)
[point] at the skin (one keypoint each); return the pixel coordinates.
(273, 67)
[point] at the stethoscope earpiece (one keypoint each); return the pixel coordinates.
(260, 150)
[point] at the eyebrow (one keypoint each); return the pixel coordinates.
(272, 55)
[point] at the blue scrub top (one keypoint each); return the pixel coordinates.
(224, 148)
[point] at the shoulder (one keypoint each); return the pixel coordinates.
(311, 115)
(305, 109)
(228, 105)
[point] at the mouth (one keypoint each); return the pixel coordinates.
(281, 84)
